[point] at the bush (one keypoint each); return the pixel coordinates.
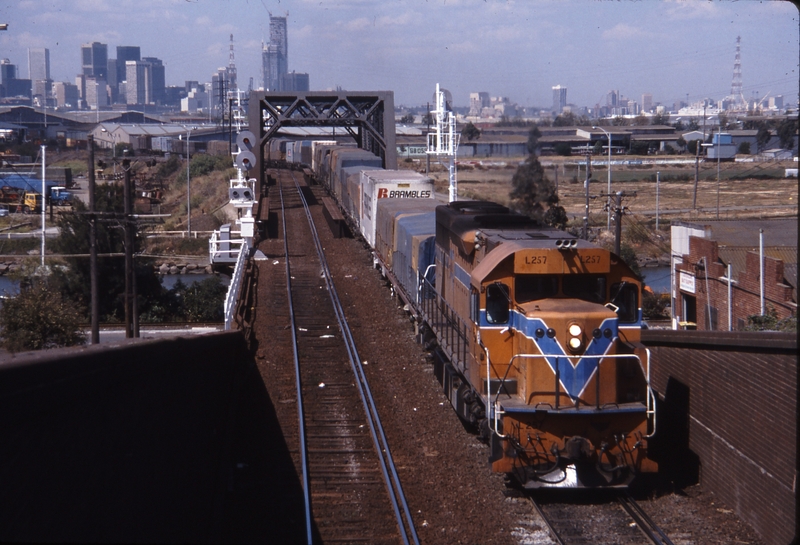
(770, 322)
(654, 305)
(38, 318)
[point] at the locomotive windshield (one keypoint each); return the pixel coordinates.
(532, 287)
(587, 287)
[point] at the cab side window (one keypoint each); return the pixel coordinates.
(626, 297)
(497, 302)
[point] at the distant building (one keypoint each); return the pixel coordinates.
(275, 55)
(559, 99)
(117, 75)
(706, 297)
(39, 64)
(66, 95)
(157, 78)
(219, 90)
(96, 93)
(477, 102)
(94, 60)
(138, 82)
(8, 71)
(294, 81)
(647, 102)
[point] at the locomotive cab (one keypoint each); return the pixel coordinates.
(568, 393)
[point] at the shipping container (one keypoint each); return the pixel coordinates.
(388, 184)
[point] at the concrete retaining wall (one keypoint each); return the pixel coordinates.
(734, 397)
(172, 440)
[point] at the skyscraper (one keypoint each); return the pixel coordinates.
(275, 55)
(157, 79)
(647, 102)
(125, 53)
(559, 99)
(139, 85)
(39, 64)
(94, 60)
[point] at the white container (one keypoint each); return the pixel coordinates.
(388, 184)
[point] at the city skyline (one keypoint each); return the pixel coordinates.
(671, 50)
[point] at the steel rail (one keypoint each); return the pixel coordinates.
(393, 485)
(550, 528)
(643, 521)
(300, 411)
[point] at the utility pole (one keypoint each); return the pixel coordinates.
(619, 210)
(586, 185)
(128, 253)
(95, 292)
(696, 175)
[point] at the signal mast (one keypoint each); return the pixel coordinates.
(443, 141)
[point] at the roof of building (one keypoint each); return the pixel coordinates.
(735, 239)
(777, 232)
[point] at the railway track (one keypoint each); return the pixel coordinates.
(352, 493)
(621, 521)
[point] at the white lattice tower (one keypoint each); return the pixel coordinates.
(443, 141)
(736, 85)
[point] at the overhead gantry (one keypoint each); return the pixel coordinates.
(368, 116)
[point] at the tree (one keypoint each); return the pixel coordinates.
(470, 132)
(202, 301)
(641, 120)
(786, 133)
(563, 148)
(681, 142)
(692, 146)
(73, 238)
(40, 317)
(660, 119)
(628, 255)
(762, 138)
(533, 140)
(723, 121)
(693, 124)
(408, 118)
(619, 121)
(532, 192)
(744, 148)
(565, 119)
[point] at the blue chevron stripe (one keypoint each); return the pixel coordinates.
(573, 376)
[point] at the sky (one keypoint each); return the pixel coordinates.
(518, 49)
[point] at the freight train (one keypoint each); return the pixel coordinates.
(538, 332)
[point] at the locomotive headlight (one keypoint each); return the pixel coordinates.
(575, 341)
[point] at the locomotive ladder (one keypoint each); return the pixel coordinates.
(388, 470)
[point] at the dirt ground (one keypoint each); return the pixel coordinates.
(742, 192)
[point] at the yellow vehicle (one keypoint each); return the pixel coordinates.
(31, 203)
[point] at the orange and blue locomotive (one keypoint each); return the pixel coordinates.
(541, 336)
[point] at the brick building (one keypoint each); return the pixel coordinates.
(716, 274)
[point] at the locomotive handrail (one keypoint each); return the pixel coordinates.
(582, 356)
(421, 281)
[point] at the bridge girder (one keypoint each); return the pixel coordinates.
(367, 116)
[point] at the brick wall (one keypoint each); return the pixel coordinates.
(735, 396)
(711, 288)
